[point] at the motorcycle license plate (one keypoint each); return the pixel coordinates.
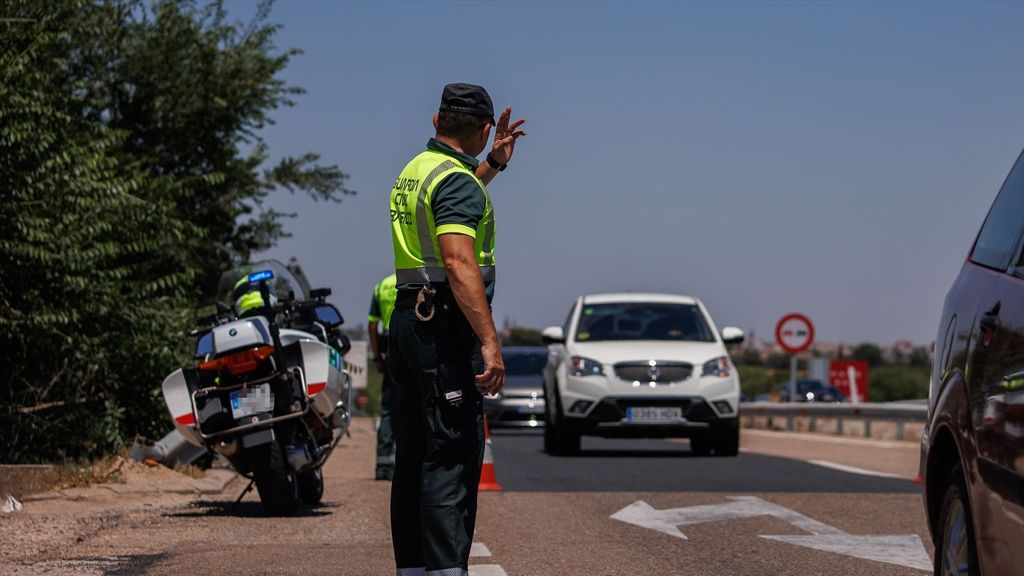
(654, 414)
(254, 400)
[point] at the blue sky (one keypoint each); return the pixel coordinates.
(835, 159)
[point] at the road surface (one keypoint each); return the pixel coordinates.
(622, 507)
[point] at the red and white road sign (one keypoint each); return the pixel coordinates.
(794, 333)
(851, 378)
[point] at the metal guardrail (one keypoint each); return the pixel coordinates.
(899, 412)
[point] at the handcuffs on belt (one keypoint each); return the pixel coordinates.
(425, 299)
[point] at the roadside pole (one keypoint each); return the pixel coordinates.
(792, 377)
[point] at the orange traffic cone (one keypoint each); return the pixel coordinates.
(488, 481)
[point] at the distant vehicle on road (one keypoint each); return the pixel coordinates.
(972, 451)
(813, 391)
(521, 401)
(641, 365)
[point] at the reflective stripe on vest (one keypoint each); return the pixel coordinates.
(413, 231)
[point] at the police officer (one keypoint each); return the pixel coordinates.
(444, 350)
(381, 306)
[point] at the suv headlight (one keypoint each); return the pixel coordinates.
(580, 366)
(717, 367)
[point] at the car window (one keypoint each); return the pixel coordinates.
(525, 363)
(642, 321)
(997, 241)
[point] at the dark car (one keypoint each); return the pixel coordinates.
(972, 451)
(813, 391)
(521, 402)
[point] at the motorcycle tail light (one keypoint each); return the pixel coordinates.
(238, 362)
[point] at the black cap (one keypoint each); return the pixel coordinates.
(468, 99)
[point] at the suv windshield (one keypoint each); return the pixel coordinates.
(642, 321)
(525, 363)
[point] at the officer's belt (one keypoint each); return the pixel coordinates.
(436, 275)
(406, 299)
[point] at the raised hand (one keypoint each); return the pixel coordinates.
(505, 136)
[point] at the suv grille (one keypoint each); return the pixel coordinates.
(661, 372)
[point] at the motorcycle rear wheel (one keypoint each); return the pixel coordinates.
(275, 482)
(311, 486)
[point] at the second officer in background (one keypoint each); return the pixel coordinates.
(381, 306)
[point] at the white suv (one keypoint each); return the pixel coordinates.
(641, 366)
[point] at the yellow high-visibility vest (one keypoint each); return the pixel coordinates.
(413, 232)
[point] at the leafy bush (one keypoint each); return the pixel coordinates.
(124, 192)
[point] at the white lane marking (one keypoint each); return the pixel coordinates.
(479, 550)
(486, 570)
(854, 469)
(899, 549)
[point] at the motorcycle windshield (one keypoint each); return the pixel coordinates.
(283, 283)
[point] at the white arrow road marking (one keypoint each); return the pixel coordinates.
(642, 514)
(900, 549)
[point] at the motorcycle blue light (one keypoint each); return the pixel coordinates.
(261, 275)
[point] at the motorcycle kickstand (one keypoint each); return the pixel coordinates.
(244, 492)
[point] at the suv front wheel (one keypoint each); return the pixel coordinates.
(558, 440)
(955, 554)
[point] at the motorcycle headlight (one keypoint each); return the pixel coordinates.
(717, 367)
(580, 366)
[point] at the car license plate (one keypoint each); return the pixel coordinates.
(255, 400)
(653, 413)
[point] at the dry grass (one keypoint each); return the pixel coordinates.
(106, 470)
(190, 471)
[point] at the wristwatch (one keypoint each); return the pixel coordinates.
(494, 164)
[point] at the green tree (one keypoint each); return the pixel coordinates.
(755, 380)
(132, 173)
(86, 323)
(868, 352)
(191, 91)
(892, 383)
(919, 357)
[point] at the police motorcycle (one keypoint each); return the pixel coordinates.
(268, 390)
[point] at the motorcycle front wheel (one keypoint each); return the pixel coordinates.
(276, 483)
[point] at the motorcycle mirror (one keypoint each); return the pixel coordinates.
(319, 293)
(329, 316)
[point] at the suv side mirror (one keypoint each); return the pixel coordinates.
(328, 315)
(732, 335)
(553, 335)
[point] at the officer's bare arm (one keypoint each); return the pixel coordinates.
(457, 251)
(485, 173)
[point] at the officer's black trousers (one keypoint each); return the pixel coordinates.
(386, 429)
(440, 447)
